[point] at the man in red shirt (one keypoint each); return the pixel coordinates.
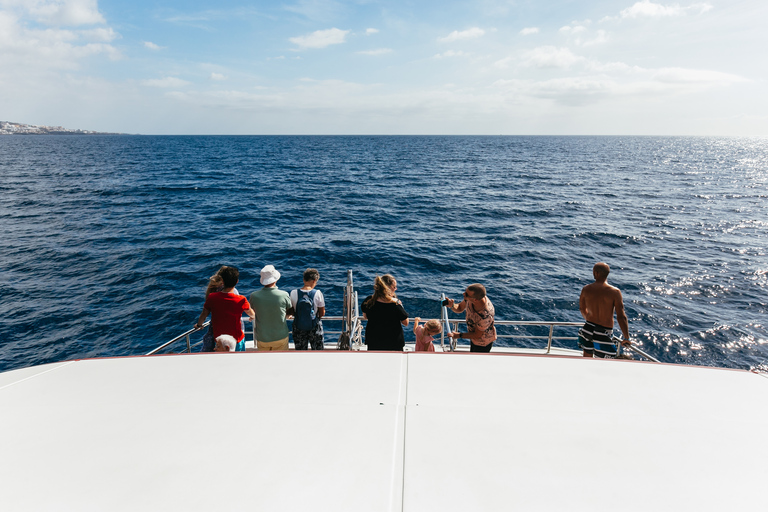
(226, 309)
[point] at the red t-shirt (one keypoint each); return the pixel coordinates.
(226, 311)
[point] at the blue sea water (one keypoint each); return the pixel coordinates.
(108, 241)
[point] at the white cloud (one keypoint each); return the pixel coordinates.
(102, 35)
(321, 38)
(66, 13)
(619, 80)
(648, 9)
(472, 33)
(152, 46)
(574, 91)
(25, 50)
(551, 57)
(529, 30)
(167, 82)
(451, 53)
(695, 76)
(504, 63)
(217, 77)
(600, 38)
(378, 51)
(572, 29)
(578, 34)
(371, 31)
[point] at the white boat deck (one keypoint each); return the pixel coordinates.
(347, 431)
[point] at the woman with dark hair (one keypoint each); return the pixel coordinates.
(386, 316)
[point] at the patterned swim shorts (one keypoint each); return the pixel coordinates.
(598, 339)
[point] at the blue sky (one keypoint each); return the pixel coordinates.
(648, 67)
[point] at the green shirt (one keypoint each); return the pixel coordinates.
(270, 305)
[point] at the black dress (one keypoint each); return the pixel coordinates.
(384, 330)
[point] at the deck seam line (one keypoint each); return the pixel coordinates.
(36, 375)
(405, 430)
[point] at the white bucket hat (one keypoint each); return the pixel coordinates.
(269, 275)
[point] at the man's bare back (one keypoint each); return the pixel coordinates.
(599, 301)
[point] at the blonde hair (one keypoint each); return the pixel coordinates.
(215, 282)
(433, 327)
(382, 289)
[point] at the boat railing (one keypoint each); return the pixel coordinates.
(178, 338)
(452, 325)
(350, 336)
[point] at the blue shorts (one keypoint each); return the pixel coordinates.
(598, 340)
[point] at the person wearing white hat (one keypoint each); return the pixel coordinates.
(271, 306)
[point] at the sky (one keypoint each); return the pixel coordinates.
(487, 67)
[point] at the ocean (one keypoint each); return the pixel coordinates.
(108, 241)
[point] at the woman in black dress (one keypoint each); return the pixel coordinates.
(386, 316)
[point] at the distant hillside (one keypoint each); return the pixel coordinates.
(8, 128)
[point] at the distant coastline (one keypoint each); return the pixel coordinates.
(9, 128)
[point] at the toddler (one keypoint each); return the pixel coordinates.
(425, 334)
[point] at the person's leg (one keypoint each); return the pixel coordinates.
(316, 338)
(266, 346)
(281, 344)
(585, 340)
(301, 339)
(478, 348)
(208, 342)
(603, 341)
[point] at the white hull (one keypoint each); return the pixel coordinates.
(348, 431)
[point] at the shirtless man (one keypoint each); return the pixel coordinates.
(597, 303)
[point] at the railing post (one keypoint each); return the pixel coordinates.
(442, 322)
(549, 340)
(189, 345)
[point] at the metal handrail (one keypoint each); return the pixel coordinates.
(352, 325)
(446, 326)
(177, 338)
(637, 350)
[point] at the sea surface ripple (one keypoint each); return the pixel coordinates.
(108, 241)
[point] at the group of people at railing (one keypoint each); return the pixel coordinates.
(269, 308)
(386, 316)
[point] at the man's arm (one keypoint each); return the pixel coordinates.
(251, 314)
(201, 320)
(583, 304)
(621, 317)
(320, 312)
(457, 308)
(467, 335)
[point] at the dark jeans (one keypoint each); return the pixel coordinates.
(478, 348)
(208, 342)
